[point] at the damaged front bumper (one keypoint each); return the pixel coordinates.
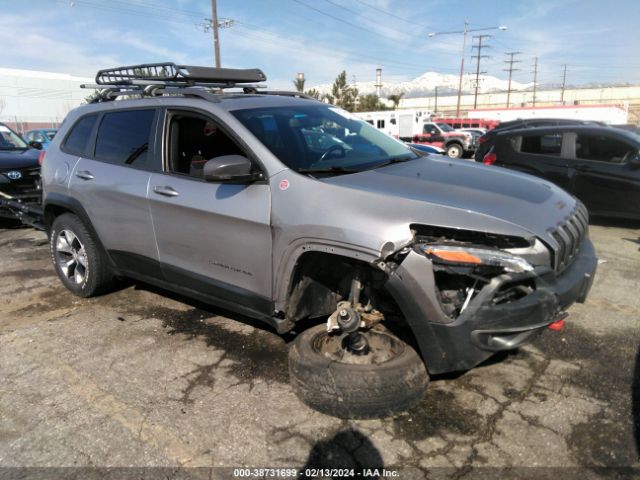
(485, 327)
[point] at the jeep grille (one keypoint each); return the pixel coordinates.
(569, 236)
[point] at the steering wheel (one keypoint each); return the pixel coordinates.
(330, 150)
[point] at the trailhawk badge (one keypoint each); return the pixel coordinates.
(14, 175)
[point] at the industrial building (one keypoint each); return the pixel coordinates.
(31, 99)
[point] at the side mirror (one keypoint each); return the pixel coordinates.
(36, 145)
(230, 169)
(634, 160)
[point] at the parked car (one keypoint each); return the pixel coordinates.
(476, 131)
(427, 148)
(42, 136)
(225, 198)
(485, 142)
(455, 143)
(19, 170)
(599, 165)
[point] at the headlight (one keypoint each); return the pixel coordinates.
(455, 255)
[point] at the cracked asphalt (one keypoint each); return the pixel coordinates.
(145, 378)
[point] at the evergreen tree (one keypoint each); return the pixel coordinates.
(299, 84)
(370, 103)
(342, 94)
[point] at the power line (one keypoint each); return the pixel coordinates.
(564, 82)
(386, 12)
(511, 69)
(535, 78)
(374, 22)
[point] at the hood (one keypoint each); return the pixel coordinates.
(17, 159)
(464, 194)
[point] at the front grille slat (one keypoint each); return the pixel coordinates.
(569, 236)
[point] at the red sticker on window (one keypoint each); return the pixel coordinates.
(284, 184)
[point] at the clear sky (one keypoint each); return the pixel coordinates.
(599, 40)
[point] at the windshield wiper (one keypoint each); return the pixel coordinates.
(391, 161)
(334, 169)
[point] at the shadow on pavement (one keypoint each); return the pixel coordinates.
(347, 449)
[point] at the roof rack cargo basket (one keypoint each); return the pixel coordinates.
(169, 72)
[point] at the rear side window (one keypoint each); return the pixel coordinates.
(123, 137)
(550, 144)
(78, 138)
(602, 148)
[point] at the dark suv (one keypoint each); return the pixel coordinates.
(599, 165)
(485, 142)
(299, 214)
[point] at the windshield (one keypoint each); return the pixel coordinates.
(10, 140)
(319, 137)
(50, 134)
(445, 127)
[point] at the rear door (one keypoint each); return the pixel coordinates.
(602, 176)
(111, 179)
(539, 154)
(214, 238)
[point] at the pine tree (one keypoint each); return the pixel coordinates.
(342, 94)
(299, 84)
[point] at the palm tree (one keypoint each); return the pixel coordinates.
(395, 98)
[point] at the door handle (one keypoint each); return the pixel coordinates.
(166, 191)
(85, 175)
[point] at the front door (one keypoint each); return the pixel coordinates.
(602, 176)
(213, 238)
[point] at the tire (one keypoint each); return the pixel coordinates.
(70, 241)
(362, 390)
(454, 150)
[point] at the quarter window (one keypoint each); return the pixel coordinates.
(123, 137)
(78, 138)
(601, 148)
(550, 144)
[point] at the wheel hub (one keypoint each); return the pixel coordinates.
(71, 257)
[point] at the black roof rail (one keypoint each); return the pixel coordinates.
(168, 73)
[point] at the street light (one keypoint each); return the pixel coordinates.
(464, 46)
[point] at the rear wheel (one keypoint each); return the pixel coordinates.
(389, 378)
(454, 150)
(79, 262)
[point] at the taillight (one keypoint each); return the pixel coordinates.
(490, 158)
(483, 139)
(41, 157)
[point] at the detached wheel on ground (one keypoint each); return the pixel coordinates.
(390, 378)
(79, 261)
(454, 151)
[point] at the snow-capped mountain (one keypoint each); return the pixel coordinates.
(425, 85)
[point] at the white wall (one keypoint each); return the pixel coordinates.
(33, 97)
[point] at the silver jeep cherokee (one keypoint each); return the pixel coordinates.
(286, 209)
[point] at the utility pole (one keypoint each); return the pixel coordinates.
(464, 47)
(478, 72)
(378, 84)
(435, 107)
(511, 61)
(564, 83)
(535, 78)
(216, 39)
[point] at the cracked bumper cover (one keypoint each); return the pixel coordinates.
(484, 328)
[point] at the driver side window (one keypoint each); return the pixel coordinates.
(194, 139)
